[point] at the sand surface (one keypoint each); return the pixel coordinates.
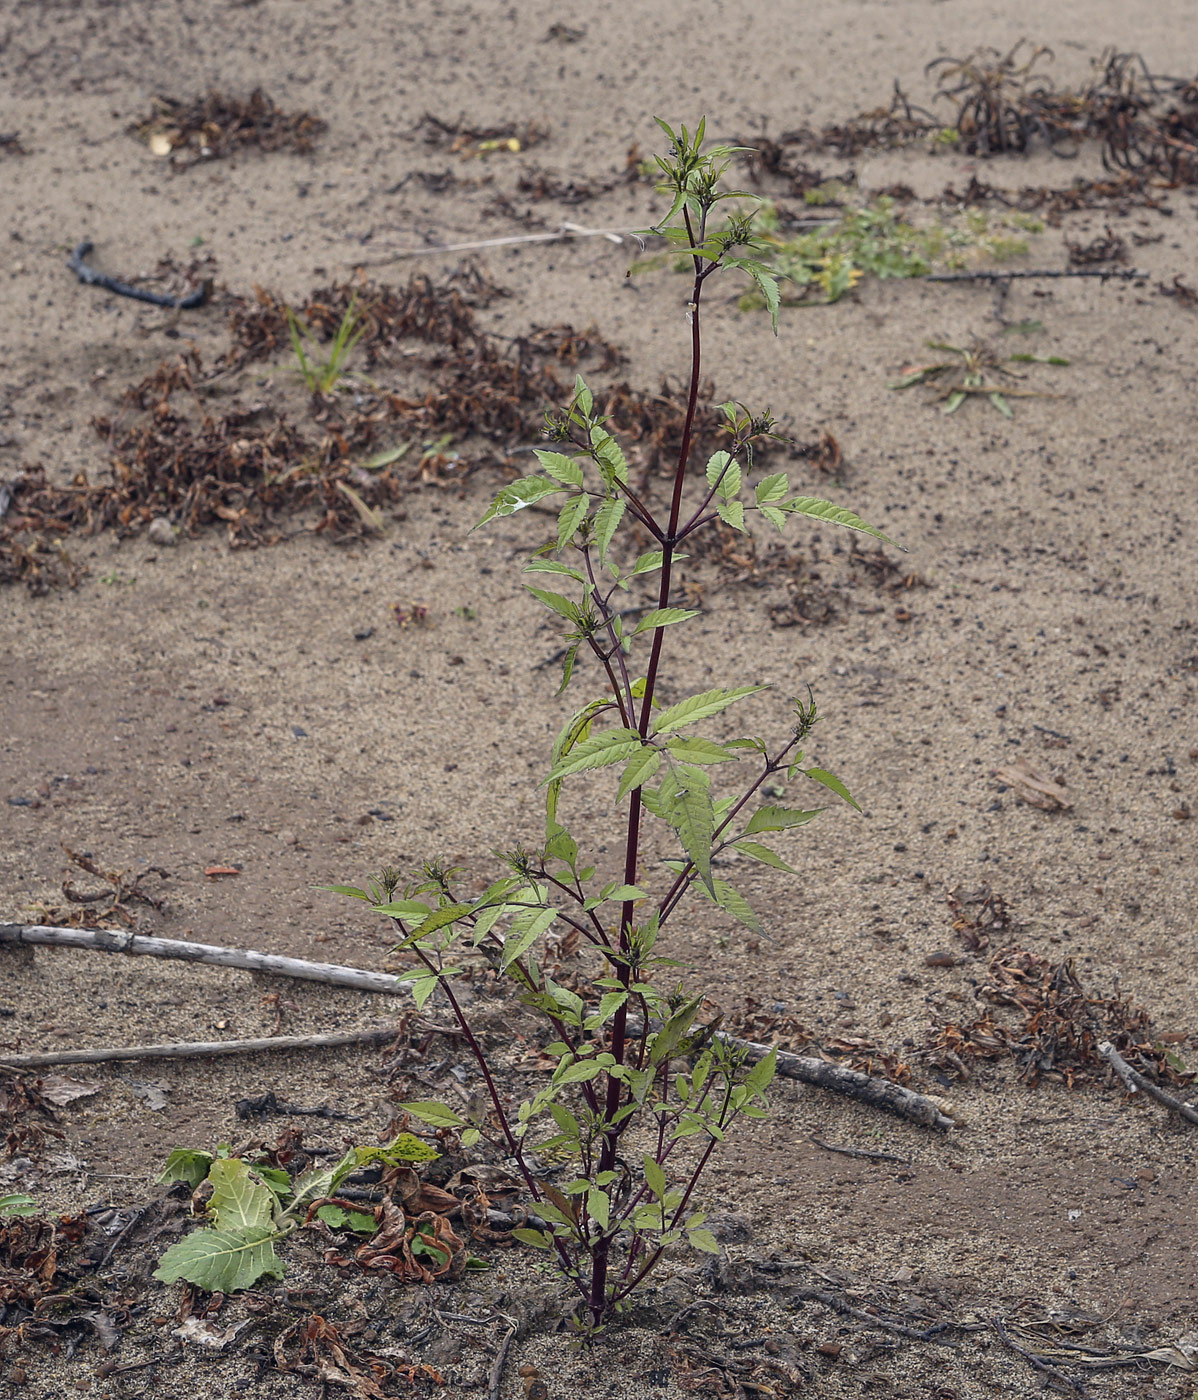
(198, 706)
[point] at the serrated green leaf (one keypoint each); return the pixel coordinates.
(734, 903)
(776, 517)
(759, 1078)
(553, 566)
(691, 815)
(833, 784)
(409, 909)
(612, 746)
(437, 1115)
(689, 748)
(703, 1240)
(771, 818)
(571, 515)
(652, 559)
(722, 469)
(238, 1202)
(698, 707)
(339, 1219)
(351, 890)
(537, 1238)
(772, 488)
(655, 1177)
(580, 1072)
(582, 395)
(609, 458)
(732, 513)
(663, 617)
(835, 515)
(556, 602)
(641, 767)
(524, 933)
(599, 1207)
(441, 918)
(767, 285)
(222, 1261)
(607, 520)
(565, 469)
(764, 855)
(185, 1164)
(517, 495)
(609, 1004)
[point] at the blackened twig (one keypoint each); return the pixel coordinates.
(1125, 274)
(123, 289)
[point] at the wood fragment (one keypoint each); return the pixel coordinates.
(495, 1378)
(190, 1050)
(878, 1093)
(566, 231)
(859, 1152)
(1136, 1082)
(1125, 274)
(118, 941)
(1051, 1373)
(1036, 788)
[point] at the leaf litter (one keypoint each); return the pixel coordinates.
(1059, 1025)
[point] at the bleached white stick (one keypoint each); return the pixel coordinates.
(117, 941)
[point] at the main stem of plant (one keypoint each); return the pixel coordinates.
(619, 1037)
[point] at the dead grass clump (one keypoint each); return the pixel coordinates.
(216, 126)
(1058, 1028)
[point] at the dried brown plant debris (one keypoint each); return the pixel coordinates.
(1106, 249)
(315, 1348)
(215, 126)
(1185, 295)
(464, 140)
(27, 1117)
(31, 1266)
(977, 915)
(35, 557)
(1060, 1025)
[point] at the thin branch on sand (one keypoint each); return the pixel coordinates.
(201, 1049)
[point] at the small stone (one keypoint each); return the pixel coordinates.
(162, 532)
(288, 838)
(943, 958)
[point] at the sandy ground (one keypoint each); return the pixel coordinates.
(197, 706)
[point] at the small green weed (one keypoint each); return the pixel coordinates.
(874, 240)
(17, 1204)
(322, 376)
(972, 371)
(255, 1205)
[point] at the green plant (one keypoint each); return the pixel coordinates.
(642, 1093)
(322, 375)
(971, 372)
(254, 1205)
(874, 240)
(17, 1204)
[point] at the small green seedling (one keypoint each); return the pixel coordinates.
(255, 1206)
(973, 371)
(323, 375)
(17, 1204)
